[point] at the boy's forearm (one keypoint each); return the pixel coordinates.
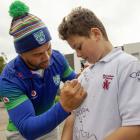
(125, 133)
(67, 133)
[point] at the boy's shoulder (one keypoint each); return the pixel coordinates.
(121, 58)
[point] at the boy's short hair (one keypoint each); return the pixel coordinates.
(79, 22)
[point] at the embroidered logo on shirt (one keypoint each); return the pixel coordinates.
(40, 37)
(56, 79)
(5, 100)
(107, 81)
(135, 75)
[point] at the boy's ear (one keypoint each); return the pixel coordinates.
(96, 33)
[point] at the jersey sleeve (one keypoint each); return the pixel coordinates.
(11, 95)
(129, 94)
(22, 114)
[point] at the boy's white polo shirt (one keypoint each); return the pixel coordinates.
(113, 88)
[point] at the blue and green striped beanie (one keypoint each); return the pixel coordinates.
(29, 31)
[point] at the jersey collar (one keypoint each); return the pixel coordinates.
(22, 69)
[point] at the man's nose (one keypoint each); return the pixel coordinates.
(46, 56)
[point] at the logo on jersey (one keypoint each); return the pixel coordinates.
(5, 100)
(20, 75)
(34, 94)
(107, 81)
(135, 75)
(56, 79)
(40, 37)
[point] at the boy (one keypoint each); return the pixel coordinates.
(111, 109)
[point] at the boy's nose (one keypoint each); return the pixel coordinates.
(79, 54)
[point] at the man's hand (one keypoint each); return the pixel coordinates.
(72, 95)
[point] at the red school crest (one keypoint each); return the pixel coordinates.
(107, 81)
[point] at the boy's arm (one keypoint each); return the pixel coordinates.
(125, 133)
(67, 132)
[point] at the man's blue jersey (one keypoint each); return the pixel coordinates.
(28, 96)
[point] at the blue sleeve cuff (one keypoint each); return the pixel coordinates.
(60, 108)
(24, 118)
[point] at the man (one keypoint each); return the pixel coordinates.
(111, 109)
(30, 82)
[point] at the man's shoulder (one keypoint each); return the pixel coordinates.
(56, 53)
(58, 57)
(8, 69)
(9, 74)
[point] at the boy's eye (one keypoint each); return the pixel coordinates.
(79, 47)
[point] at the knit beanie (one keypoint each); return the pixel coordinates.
(28, 31)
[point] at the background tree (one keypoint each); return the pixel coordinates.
(3, 60)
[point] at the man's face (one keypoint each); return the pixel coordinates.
(38, 58)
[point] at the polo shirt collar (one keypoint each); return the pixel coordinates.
(111, 55)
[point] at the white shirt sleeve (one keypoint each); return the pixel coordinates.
(129, 94)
